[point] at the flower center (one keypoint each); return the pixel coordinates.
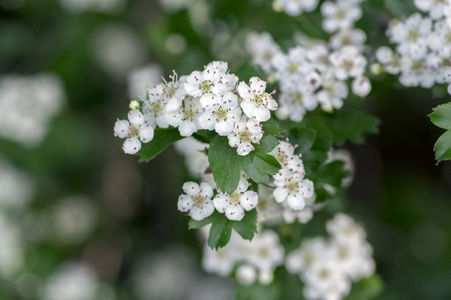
(133, 130)
(220, 114)
(245, 136)
(156, 108)
(297, 97)
(413, 35)
(281, 158)
(258, 99)
(198, 200)
(234, 198)
(190, 113)
(205, 87)
(347, 65)
(418, 66)
(340, 14)
(292, 186)
(263, 252)
(324, 273)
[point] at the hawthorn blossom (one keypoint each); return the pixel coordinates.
(245, 133)
(186, 117)
(256, 102)
(214, 79)
(339, 15)
(134, 130)
(196, 200)
(293, 188)
(235, 204)
(348, 62)
(221, 113)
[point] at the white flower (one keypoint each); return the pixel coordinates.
(210, 80)
(311, 250)
(343, 228)
(332, 94)
(266, 252)
(235, 204)
(135, 131)
(196, 200)
(296, 7)
(256, 102)
(434, 7)
(262, 49)
(348, 37)
(361, 86)
(348, 62)
(245, 133)
(186, 118)
(246, 275)
(221, 113)
(293, 188)
(142, 79)
(339, 15)
(154, 109)
(220, 261)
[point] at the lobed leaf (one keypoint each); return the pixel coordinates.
(247, 227)
(163, 137)
(442, 147)
(441, 116)
(225, 164)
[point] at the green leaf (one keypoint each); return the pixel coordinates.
(247, 70)
(266, 163)
(442, 147)
(441, 116)
(225, 164)
(352, 125)
(267, 144)
(220, 232)
(332, 173)
(247, 227)
(257, 291)
(304, 138)
(273, 129)
(366, 289)
(162, 138)
(251, 171)
(204, 136)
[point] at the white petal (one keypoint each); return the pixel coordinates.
(244, 90)
(185, 203)
(249, 200)
(190, 188)
(135, 117)
(131, 145)
(280, 194)
(295, 202)
(224, 128)
(207, 191)
(221, 203)
(146, 133)
(121, 128)
(234, 212)
(187, 128)
(197, 213)
(173, 104)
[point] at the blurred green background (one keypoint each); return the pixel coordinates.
(398, 192)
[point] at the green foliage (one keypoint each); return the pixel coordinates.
(225, 163)
(247, 70)
(352, 125)
(441, 117)
(258, 291)
(163, 138)
(221, 227)
(366, 289)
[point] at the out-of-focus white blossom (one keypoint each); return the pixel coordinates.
(143, 79)
(27, 106)
(106, 6)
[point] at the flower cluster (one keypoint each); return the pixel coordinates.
(327, 267)
(423, 47)
(315, 73)
(259, 257)
(289, 181)
(212, 100)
